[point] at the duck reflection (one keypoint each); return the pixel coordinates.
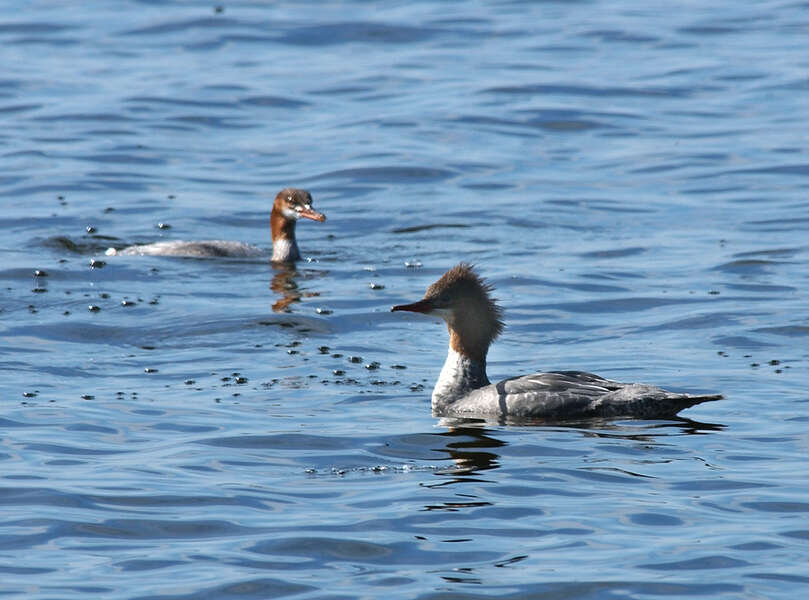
(643, 431)
(284, 283)
(470, 448)
(470, 444)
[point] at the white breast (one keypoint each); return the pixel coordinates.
(284, 250)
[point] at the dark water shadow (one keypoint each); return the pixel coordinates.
(89, 244)
(623, 427)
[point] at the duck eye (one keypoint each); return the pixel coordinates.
(444, 298)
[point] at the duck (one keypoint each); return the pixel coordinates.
(290, 205)
(462, 298)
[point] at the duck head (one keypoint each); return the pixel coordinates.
(462, 298)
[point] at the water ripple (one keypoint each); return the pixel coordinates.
(633, 183)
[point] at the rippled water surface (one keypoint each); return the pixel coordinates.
(633, 179)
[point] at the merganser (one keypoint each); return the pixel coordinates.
(463, 300)
(290, 205)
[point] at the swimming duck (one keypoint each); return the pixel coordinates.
(290, 205)
(474, 320)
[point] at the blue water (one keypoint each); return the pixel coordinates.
(631, 177)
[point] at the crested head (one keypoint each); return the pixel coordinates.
(463, 299)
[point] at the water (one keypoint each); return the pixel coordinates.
(632, 179)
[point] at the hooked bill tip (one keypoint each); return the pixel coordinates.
(422, 306)
(310, 213)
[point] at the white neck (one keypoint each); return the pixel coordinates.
(459, 376)
(285, 250)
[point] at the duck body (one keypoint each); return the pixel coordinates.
(289, 206)
(200, 249)
(561, 395)
(463, 389)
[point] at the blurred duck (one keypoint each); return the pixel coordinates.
(463, 300)
(290, 205)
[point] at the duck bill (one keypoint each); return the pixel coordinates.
(311, 213)
(422, 306)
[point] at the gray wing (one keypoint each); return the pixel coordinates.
(570, 395)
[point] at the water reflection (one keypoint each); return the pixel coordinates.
(285, 284)
(644, 431)
(470, 448)
(626, 429)
(471, 445)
